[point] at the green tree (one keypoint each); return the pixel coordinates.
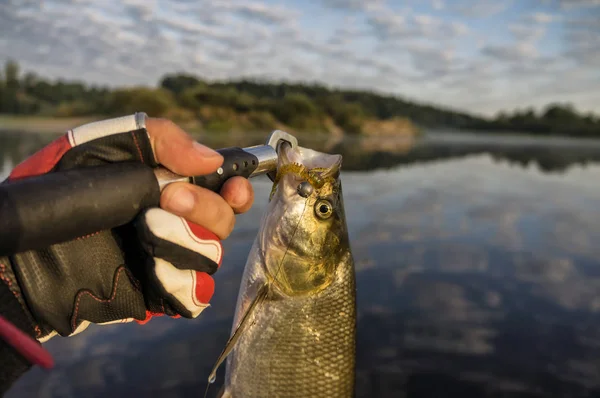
(179, 82)
(350, 118)
(560, 113)
(11, 73)
(155, 102)
(216, 97)
(11, 87)
(29, 81)
(293, 108)
(347, 115)
(2, 92)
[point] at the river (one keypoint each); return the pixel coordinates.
(478, 274)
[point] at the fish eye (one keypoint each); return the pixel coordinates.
(305, 189)
(323, 209)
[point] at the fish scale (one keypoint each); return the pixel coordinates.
(282, 358)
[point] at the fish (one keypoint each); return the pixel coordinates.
(294, 328)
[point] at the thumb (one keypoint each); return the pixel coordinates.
(179, 152)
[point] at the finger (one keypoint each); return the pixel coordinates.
(199, 206)
(238, 193)
(178, 151)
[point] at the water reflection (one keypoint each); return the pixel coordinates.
(475, 279)
(369, 153)
(447, 308)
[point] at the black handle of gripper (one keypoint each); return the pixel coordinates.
(237, 162)
(37, 212)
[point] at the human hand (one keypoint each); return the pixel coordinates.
(160, 264)
(177, 151)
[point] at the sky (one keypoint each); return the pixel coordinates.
(480, 56)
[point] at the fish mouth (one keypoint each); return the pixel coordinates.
(311, 159)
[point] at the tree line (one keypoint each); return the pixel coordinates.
(249, 104)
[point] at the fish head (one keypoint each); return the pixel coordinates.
(304, 234)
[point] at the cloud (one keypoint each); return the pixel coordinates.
(584, 23)
(582, 35)
(432, 61)
(528, 33)
(437, 51)
(345, 34)
(438, 4)
(261, 12)
(480, 8)
(389, 26)
(140, 9)
(353, 4)
(541, 18)
(579, 3)
(584, 47)
(511, 53)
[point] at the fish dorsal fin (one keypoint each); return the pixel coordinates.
(243, 325)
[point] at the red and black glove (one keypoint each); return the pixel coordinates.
(160, 264)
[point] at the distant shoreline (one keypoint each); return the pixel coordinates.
(55, 125)
(202, 106)
(52, 125)
(41, 124)
(59, 125)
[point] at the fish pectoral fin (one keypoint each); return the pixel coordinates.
(223, 393)
(244, 325)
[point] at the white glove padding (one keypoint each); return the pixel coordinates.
(183, 256)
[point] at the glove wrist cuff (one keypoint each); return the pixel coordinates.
(10, 287)
(13, 364)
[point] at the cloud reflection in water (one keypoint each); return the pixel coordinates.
(474, 278)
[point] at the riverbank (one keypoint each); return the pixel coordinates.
(39, 124)
(252, 106)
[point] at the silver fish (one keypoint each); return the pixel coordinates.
(294, 331)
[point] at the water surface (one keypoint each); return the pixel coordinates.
(478, 275)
